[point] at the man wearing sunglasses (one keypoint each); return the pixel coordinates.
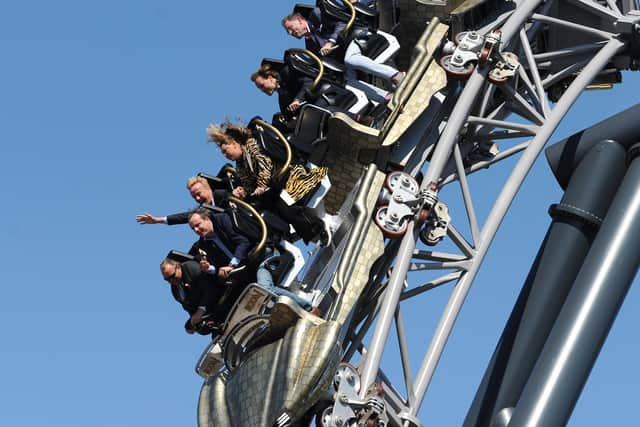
(196, 291)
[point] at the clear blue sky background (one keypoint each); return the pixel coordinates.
(103, 107)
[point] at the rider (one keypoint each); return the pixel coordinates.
(194, 290)
(256, 172)
(201, 192)
(221, 249)
(293, 92)
(300, 27)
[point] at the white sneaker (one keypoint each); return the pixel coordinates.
(334, 221)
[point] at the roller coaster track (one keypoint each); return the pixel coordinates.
(441, 132)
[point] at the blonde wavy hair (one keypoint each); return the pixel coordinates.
(228, 133)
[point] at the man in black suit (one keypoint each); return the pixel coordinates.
(196, 291)
(201, 192)
(222, 251)
(225, 247)
(320, 32)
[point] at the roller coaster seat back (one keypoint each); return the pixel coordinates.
(379, 46)
(280, 265)
(274, 64)
(268, 141)
(309, 136)
(303, 9)
(331, 90)
(302, 62)
(226, 179)
(180, 256)
(338, 97)
(365, 17)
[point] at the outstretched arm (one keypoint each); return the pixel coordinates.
(179, 218)
(147, 218)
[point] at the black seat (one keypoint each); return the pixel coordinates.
(226, 179)
(374, 45)
(303, 9)
(310, 136)
(180, 256)
(336, 96)
(274, 64)
(301, 62)
(365, 17)
(268, 141)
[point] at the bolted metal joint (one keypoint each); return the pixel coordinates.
(629, 28)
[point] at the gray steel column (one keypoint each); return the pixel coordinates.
(564, 156)
(576, 220)
(586, 318)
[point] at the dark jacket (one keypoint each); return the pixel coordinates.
(323, 28)
(237, 243)
(292, 85)
(219, 199)
(197, 289)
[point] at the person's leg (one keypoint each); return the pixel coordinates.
(355, 60)
(300, 301)
(334, 221)
(264, 277)
(265, 281)
(307, 225)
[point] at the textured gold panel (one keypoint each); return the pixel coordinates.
(371, 249)
(288, 375)
(346, 139)
(433, 80)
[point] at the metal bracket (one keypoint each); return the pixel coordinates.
(629, 27)
(403, 203)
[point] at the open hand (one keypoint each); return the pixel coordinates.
(147, 218)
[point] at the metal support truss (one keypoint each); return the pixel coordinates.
(484, 112)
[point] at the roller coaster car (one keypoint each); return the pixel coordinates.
(244, 324)
(247, 326)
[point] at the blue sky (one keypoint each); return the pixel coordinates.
(103, 108)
